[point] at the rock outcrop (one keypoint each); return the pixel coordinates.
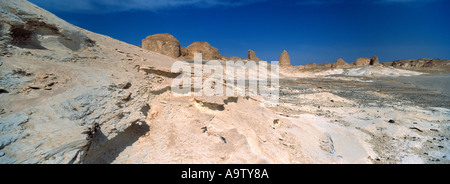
(64, 99)
(208, 52)
(252, 56)
(340, 63)
(361, 62)
(162, 43)
(235, 58)
(311, 65)
(374, 61)
(326, 65)
(183, 52)
(27, 26)
(284, 59)
(418, 63)
(166, 44)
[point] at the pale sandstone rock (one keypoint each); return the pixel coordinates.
(27, 26)
(340, 63)
(208, 52)
(162, 43)
(284, 59)
(252, 55)
(234, 58)
(361, 62)
(326, 64)
(374, 61)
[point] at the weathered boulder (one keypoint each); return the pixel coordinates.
(361, 62)
(340, 63)
(162, 43)
(327, 65)
(374, 61)
(208, 52)
(284, 59)
(252, 55)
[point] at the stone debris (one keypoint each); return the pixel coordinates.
(223, 139)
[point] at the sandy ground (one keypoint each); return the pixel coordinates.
(421, 115)
(325, 119)
(440, 82)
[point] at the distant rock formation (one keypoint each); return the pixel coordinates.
(374, 61)
(284, 59)
(224, 58)
(340, 63)
(436, 63)
(327, 65)
(235, 58)
(162, 43)
(418, 63)
(311, 65)
(361, 62)
(208, 52)
(252, 56)
(166, 44)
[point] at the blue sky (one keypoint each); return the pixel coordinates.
(310, 30)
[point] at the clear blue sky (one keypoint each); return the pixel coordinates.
(310, 30)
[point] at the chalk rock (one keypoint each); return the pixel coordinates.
(208, 52)
(252, 55)
(361, 62)
(162, 43)
(340, 63)
(284, 59)
(374, 61)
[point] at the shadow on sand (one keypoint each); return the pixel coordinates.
(107, 152)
